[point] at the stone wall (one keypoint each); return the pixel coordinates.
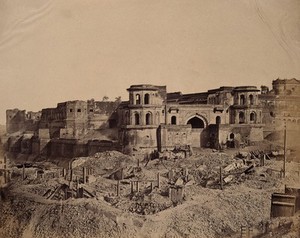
(142, 137)
(68, 148)
(244, 134)
(15, 120)
(170, 136)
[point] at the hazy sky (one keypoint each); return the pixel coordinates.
(57, 50)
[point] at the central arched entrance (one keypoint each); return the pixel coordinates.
(198, 124)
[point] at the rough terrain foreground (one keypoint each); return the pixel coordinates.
(207, 211)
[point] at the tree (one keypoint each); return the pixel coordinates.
(105, 98)
(118, 99)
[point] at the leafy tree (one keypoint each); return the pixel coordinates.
(105, 99)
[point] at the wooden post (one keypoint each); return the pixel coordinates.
(170, 193)
(71, 175)
(243, 232)
(171, 174)
(221, 178)
(118, 188)
(77, 183)
(23, 172)
(63, 172)
(137, 186)
(158, 180)
(250, 232)
(4, 166)
(84, 174)
(122, 173)
(8, 176)
(151, 186)
(131, 187)
(284, 160)
(263, 160)
(138, 163)
(186, 173)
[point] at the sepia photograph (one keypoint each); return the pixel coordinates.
(149, 118)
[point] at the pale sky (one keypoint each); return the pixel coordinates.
(58, 50)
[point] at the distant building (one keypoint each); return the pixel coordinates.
(281, 104)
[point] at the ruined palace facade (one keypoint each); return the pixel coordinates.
(153, 119)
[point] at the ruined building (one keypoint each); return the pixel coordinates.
(154, 119)
(282, 103)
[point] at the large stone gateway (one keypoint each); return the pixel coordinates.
(153, 119)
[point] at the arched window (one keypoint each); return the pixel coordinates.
(147, 98)
(253, 117)
(251, 99)
(231, 136)
(136, 119)
(241, 117)
(137, 99)
(242, 100)
(148, 118)
(196, 122)
(173, 120)
(218, 120)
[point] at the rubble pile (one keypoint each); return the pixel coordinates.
(210, 194)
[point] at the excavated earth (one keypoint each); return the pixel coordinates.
(206, 210)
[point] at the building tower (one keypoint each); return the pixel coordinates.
(142, 115)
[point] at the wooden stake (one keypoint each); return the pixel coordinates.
(221, 178)
(84, 174)
(284, 160)
(23, 173)
(118, 188)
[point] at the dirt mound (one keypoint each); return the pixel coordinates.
(124, 208)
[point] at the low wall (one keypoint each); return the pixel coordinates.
(70, 148)
(243, 133)
(174, 135)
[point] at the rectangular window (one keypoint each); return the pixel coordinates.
(78, 110)
(71, 110)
